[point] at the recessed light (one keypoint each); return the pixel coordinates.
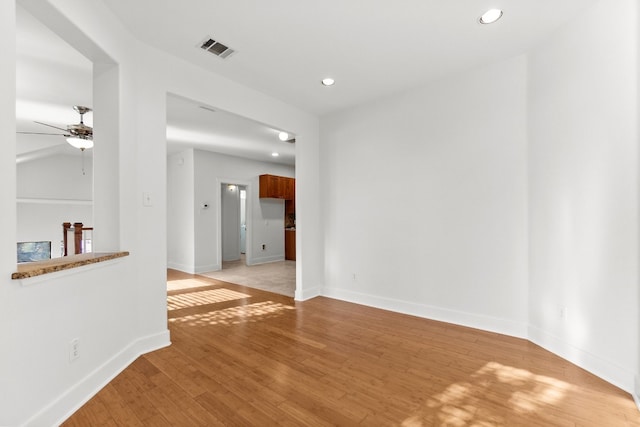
(491, 16)
(274, 154)
(283, 136)
(328, 81)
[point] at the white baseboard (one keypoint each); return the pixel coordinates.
(181, 267)
(306, 294)
(266, 259)
(204, 268)
(471, 320)
(604, 369)
(598, 366)
(198, 269)
(63, 407)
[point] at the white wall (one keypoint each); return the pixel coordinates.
(636, 393)
(131, 82)
(267, 228)
(116, 309)
(265, 222)
(50, 191)
(425, 200)
(39, 384)
(56, 177)
(8, 329)
(180, 211)
(583, 169)
(503, 198)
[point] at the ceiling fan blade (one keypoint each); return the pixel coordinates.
(43, 133)
(51, 126)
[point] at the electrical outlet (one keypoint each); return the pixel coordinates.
(147, 200)
(264, 247)
(564, 312)
(74, 349)
(354, 277)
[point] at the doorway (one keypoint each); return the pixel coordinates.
(243, 221)
(211, 168)
(233, 222)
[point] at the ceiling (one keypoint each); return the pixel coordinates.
(51, 77)
(372, 48)
(193, 125)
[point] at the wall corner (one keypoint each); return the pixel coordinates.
(636, 391)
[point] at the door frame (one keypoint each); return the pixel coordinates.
(249, 220)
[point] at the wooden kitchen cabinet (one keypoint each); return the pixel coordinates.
(290, 245)
(289, 188)
(277, 187)
(290, 207)
(290, 204)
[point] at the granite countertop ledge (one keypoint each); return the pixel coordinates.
(38, 268)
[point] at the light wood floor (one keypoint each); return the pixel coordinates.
(245, 357)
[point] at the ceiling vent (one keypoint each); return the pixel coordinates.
(217, 48)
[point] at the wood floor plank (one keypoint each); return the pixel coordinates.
(246, 357)
(232, 409)
(94, 413)
(139, 404)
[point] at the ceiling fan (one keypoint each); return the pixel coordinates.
(78, 135)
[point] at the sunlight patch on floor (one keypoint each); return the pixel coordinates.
(471, 403)
(538, 390)
(235, 315)
(210, 296)
(176, 285)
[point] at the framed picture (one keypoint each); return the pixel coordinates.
(34, 251)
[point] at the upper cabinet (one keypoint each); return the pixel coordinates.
(277, 187)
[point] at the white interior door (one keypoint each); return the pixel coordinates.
(230, 222)
(243, 220)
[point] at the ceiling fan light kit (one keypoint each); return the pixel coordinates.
(81, 135)
(78, 135)
(80, 142)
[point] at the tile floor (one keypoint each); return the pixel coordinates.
(278, 277)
